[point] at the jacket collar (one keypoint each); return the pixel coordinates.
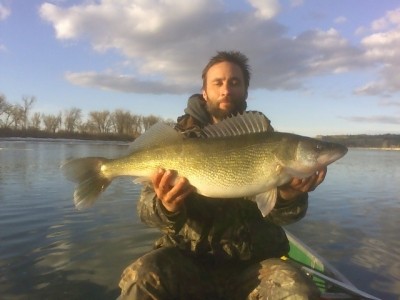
(196, 107)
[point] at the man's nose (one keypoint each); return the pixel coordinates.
(225, 89)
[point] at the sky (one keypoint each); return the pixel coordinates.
(319, 67)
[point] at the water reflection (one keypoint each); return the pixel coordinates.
(353, 220)
(49, 250)
(381, 255)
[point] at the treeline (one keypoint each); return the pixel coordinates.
(17, 120)
(365, 141)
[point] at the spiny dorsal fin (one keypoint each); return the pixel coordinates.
(158, 134)
(246, 123)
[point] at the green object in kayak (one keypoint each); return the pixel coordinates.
(332, 283)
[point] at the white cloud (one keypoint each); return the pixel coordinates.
(379, 24)
(4, 12)
(392, 18)
(168, 43)
(371, 88)
(340, 20)
(122, 83)
(265, 9)
(122, 17)
(361, 30)
(382, 48)
(331, 53)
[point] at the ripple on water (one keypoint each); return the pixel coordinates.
(50, 250)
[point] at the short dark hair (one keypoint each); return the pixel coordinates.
(234, 57)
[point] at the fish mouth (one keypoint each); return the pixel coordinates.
(330, 156)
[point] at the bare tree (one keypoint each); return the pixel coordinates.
(3, 103)
(72, 119)
(125, 122)
(17, 114)
(4, 109)
(101, 120)
(120, 121)
(52, 123)
(86, 127)
(26, 108)
(36, 120)
(136, 125)
(150, 121)
(170, 122)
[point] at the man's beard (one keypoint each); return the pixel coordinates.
(238, 106)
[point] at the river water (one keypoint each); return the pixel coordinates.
(49, 250)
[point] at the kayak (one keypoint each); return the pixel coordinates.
(332, 283)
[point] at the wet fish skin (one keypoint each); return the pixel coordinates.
(233, 160)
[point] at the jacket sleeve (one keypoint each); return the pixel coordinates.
(153, 213)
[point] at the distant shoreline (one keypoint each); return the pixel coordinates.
(381, 142)
(6, 133)
(386, 142)
(377, 148)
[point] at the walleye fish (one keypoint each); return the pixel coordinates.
(236, 157)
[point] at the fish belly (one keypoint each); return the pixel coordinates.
(217, 168)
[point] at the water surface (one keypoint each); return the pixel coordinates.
(49, 250)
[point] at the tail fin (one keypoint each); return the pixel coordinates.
(91, 181)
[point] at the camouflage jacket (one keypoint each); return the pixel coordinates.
(223, 229)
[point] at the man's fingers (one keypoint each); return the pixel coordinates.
(165, 182)
(183, 196)
(310, 183)
(297, 183)
(175, 197)
(156, 178)
(182, 187)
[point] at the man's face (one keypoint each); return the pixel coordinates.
(225, 91)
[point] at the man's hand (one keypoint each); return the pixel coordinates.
(298, 186)
(170, 189)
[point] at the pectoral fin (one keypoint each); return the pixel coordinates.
(266, 201)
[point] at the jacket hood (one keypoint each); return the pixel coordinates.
(196, 107)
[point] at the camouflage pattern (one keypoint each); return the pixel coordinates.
(223, 229)
(169, 273)
(215, 248)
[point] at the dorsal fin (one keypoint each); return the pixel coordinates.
(246, 123)
(157, 135)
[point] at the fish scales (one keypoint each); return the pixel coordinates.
(202, 162)
(244, 161)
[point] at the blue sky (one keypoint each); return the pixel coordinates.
(318, 67)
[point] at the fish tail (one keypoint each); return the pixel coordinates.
(87, 173)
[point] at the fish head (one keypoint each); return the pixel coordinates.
(307, 155)
(314, 154)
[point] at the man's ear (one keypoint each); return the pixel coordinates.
(245, 95)
(204, 95)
